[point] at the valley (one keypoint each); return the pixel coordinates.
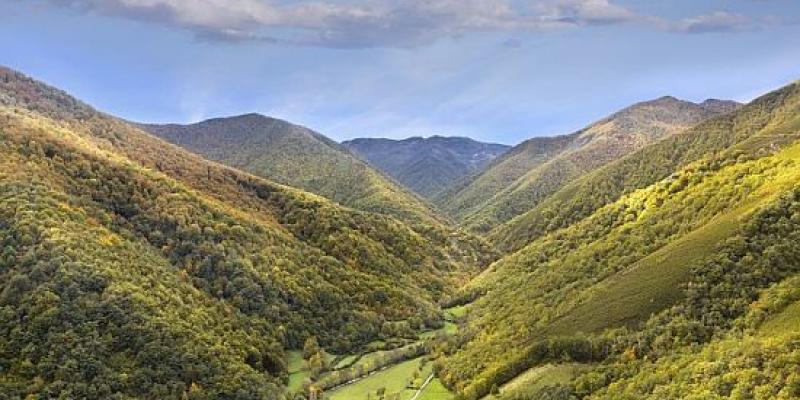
(650, 255)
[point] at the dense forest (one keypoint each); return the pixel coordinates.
(141, 270)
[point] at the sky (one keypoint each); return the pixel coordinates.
(495, 70)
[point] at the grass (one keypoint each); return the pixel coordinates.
(786, 322)
(394, 379)
(345, 361)
(653, 284)
(436, 391)
(454, 313)
(451, 315)
(539, 377)
(369, 357)
(296, 367)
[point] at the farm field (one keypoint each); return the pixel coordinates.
(399, 381)
(394, 380)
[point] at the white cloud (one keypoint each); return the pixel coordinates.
(584, 11)
(720, 21)
(384, 23)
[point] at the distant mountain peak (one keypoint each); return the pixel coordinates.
(720, 106)
(427, 165)
(241, 118)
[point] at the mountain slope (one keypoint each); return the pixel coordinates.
(427, 165)
(587, 194)
(140, 270)
(299, 157)
(648, 275)
(515, 190)
(468, 195)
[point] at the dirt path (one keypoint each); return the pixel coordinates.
(422, 388)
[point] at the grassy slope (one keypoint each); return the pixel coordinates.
(589, 193)
(296, 368)
(655, 282)
(436, 391)
(531, 291)
(298, 157)
(539, 377)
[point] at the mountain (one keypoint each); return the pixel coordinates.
(671, 273)
(132, 268)
(583, 196)
(296, 156)
(535, 169)
(427, 165)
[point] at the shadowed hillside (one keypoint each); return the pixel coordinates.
(427, 165)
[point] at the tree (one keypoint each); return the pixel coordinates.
(310, 347)
(317, 363)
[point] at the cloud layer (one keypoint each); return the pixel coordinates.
(384, 23)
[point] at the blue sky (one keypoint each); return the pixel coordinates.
(496, 70)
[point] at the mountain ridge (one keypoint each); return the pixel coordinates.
(297, 156)
(538, 167)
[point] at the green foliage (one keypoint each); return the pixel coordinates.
(139, 270)
(573, 280)
(87, 313)
(310, 347)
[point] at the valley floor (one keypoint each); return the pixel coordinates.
(405, 379)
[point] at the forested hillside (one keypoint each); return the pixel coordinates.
(652, 294)
(427, 165)
(297, 156)
(131, 268)
(538, 168)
